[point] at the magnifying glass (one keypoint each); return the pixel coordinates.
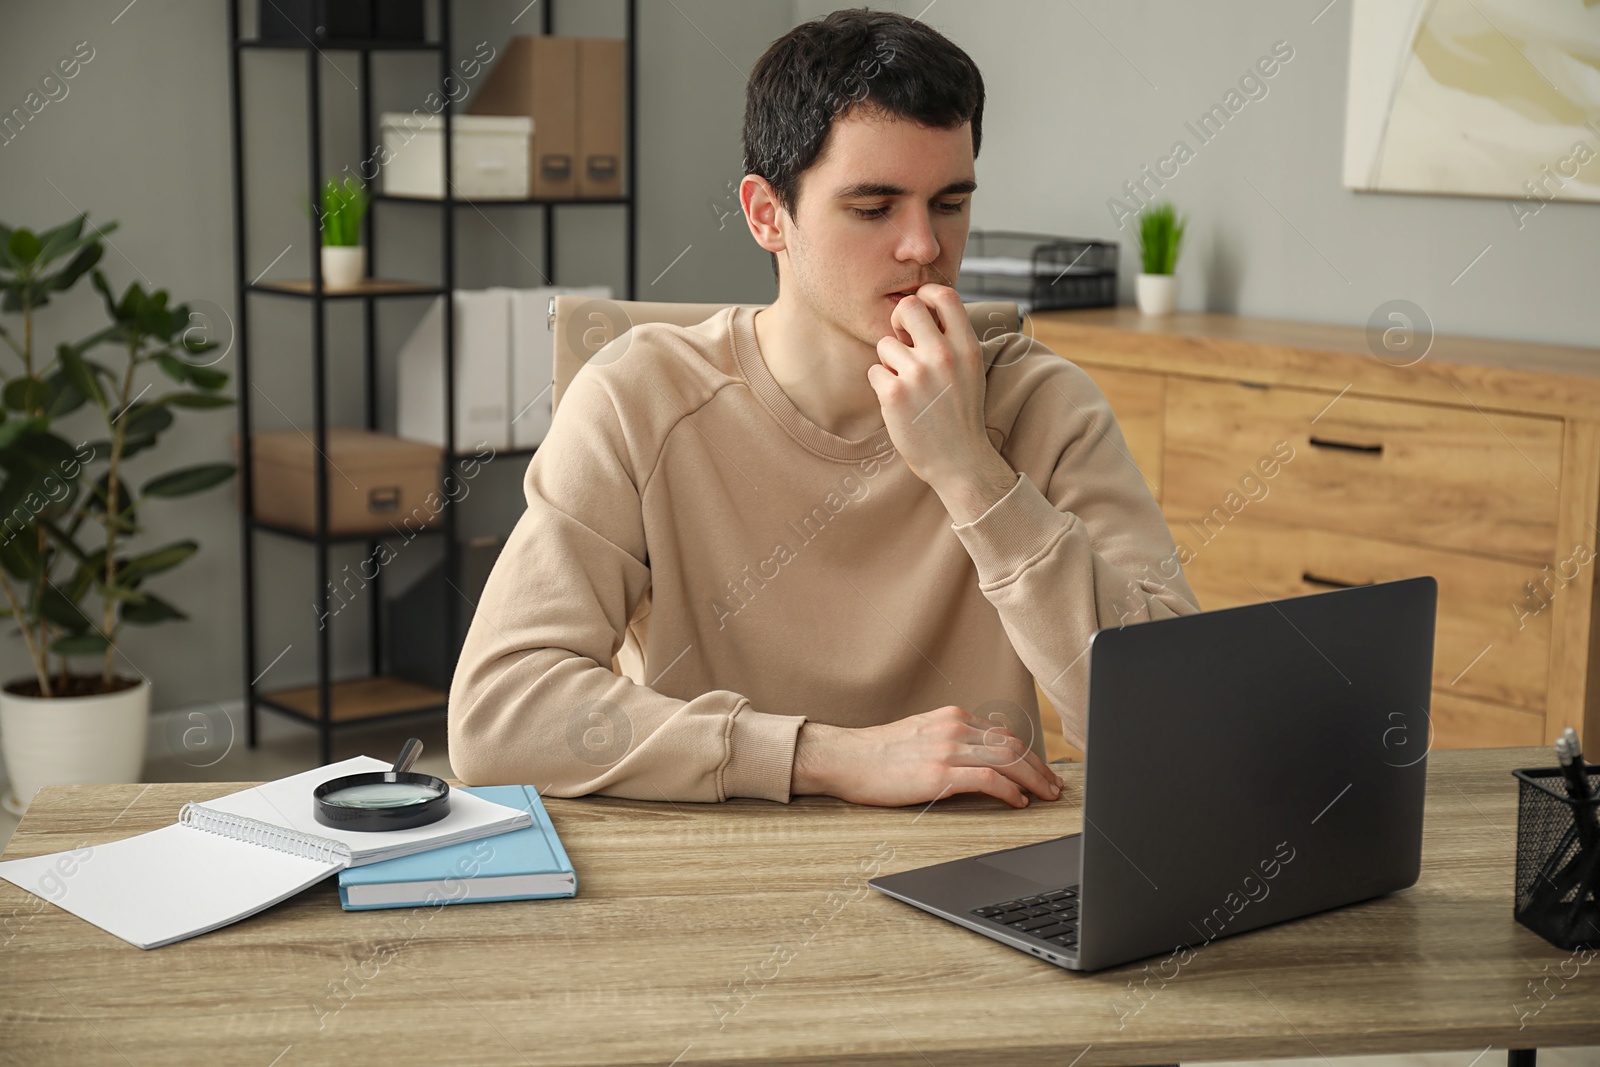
(396, 799)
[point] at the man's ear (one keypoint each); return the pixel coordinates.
(762, 212)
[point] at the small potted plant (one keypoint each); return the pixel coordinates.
(344, 260)
(69, 514)
(1160, 238)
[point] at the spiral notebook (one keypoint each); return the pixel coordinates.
(231, 857)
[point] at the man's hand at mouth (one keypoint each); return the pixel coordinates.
(930, 381)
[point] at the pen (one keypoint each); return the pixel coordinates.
(1570, 755)
(1580, 872)
(1548, 883)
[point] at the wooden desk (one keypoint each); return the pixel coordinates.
(742, 932)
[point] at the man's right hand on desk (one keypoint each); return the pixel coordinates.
(919, 759)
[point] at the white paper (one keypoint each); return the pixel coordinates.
(288, 802)
(166, 885)
(179, 881)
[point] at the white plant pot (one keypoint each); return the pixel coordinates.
(343, 266)
(72, 740)
(1157, 293)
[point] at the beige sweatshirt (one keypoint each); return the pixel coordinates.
(748, 570)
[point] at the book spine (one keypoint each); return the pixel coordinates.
(265, 834)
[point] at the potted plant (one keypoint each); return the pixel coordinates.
(69, 516)
(344, 260)
(1160, 238)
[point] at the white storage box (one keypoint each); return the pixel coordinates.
(491, 155)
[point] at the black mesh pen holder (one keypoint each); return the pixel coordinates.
(1558, 866)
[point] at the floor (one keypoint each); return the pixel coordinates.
(287, 748)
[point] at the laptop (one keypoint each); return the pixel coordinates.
(1243, 767)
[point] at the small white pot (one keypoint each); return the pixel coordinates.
(343, 266)
(72, 740)
(1157, 293)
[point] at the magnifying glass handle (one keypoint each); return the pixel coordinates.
(408, 754)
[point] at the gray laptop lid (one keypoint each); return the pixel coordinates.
(1275, 766)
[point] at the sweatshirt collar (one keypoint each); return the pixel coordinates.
(747, 354)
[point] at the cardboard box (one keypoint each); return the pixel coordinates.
(537, 76)
(601, 87)
(490, 155)
(377, 483)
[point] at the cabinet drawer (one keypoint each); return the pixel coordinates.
(1137, 402)
(1419, 473)
(1483, 649)
(1459, 722)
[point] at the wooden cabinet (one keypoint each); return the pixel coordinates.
(1289, 459)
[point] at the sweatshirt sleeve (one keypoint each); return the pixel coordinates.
(533, 700)
(1086, 550)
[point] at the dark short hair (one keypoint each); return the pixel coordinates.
(849, 59)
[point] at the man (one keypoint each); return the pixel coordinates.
(860, 531)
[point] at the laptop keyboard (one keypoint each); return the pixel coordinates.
(1051, 917)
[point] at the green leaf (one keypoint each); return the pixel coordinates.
(66, 544)
(207, 377)
(189, 480)
(11, 430)
(194, 400)
(79, 374)
(59, 609)
(26, 394)
(49, 452)
(133, 299)
(82, 581)
(23, 248)
(161, 559)
(86, 644)
(152, 610)
(55, 241)
(62, 397)
(68, 276)
(146, 420)
(19, 554)
(103, 287)
(125, 503)
(173, 367)
(132, 446)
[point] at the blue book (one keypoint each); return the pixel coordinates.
(526, 864)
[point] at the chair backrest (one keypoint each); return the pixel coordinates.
(584, 324)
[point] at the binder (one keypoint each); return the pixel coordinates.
(538, 76)
(600, 92)
(526, 864)
(482, 373)
(231, 857)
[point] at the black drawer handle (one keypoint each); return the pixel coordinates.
(384, 499)
(1333, 583)
(1323, 442)
(555, 167)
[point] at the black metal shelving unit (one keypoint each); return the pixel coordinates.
(374, 697)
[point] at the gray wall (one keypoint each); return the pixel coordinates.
(142, 136)
(1080, 97)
